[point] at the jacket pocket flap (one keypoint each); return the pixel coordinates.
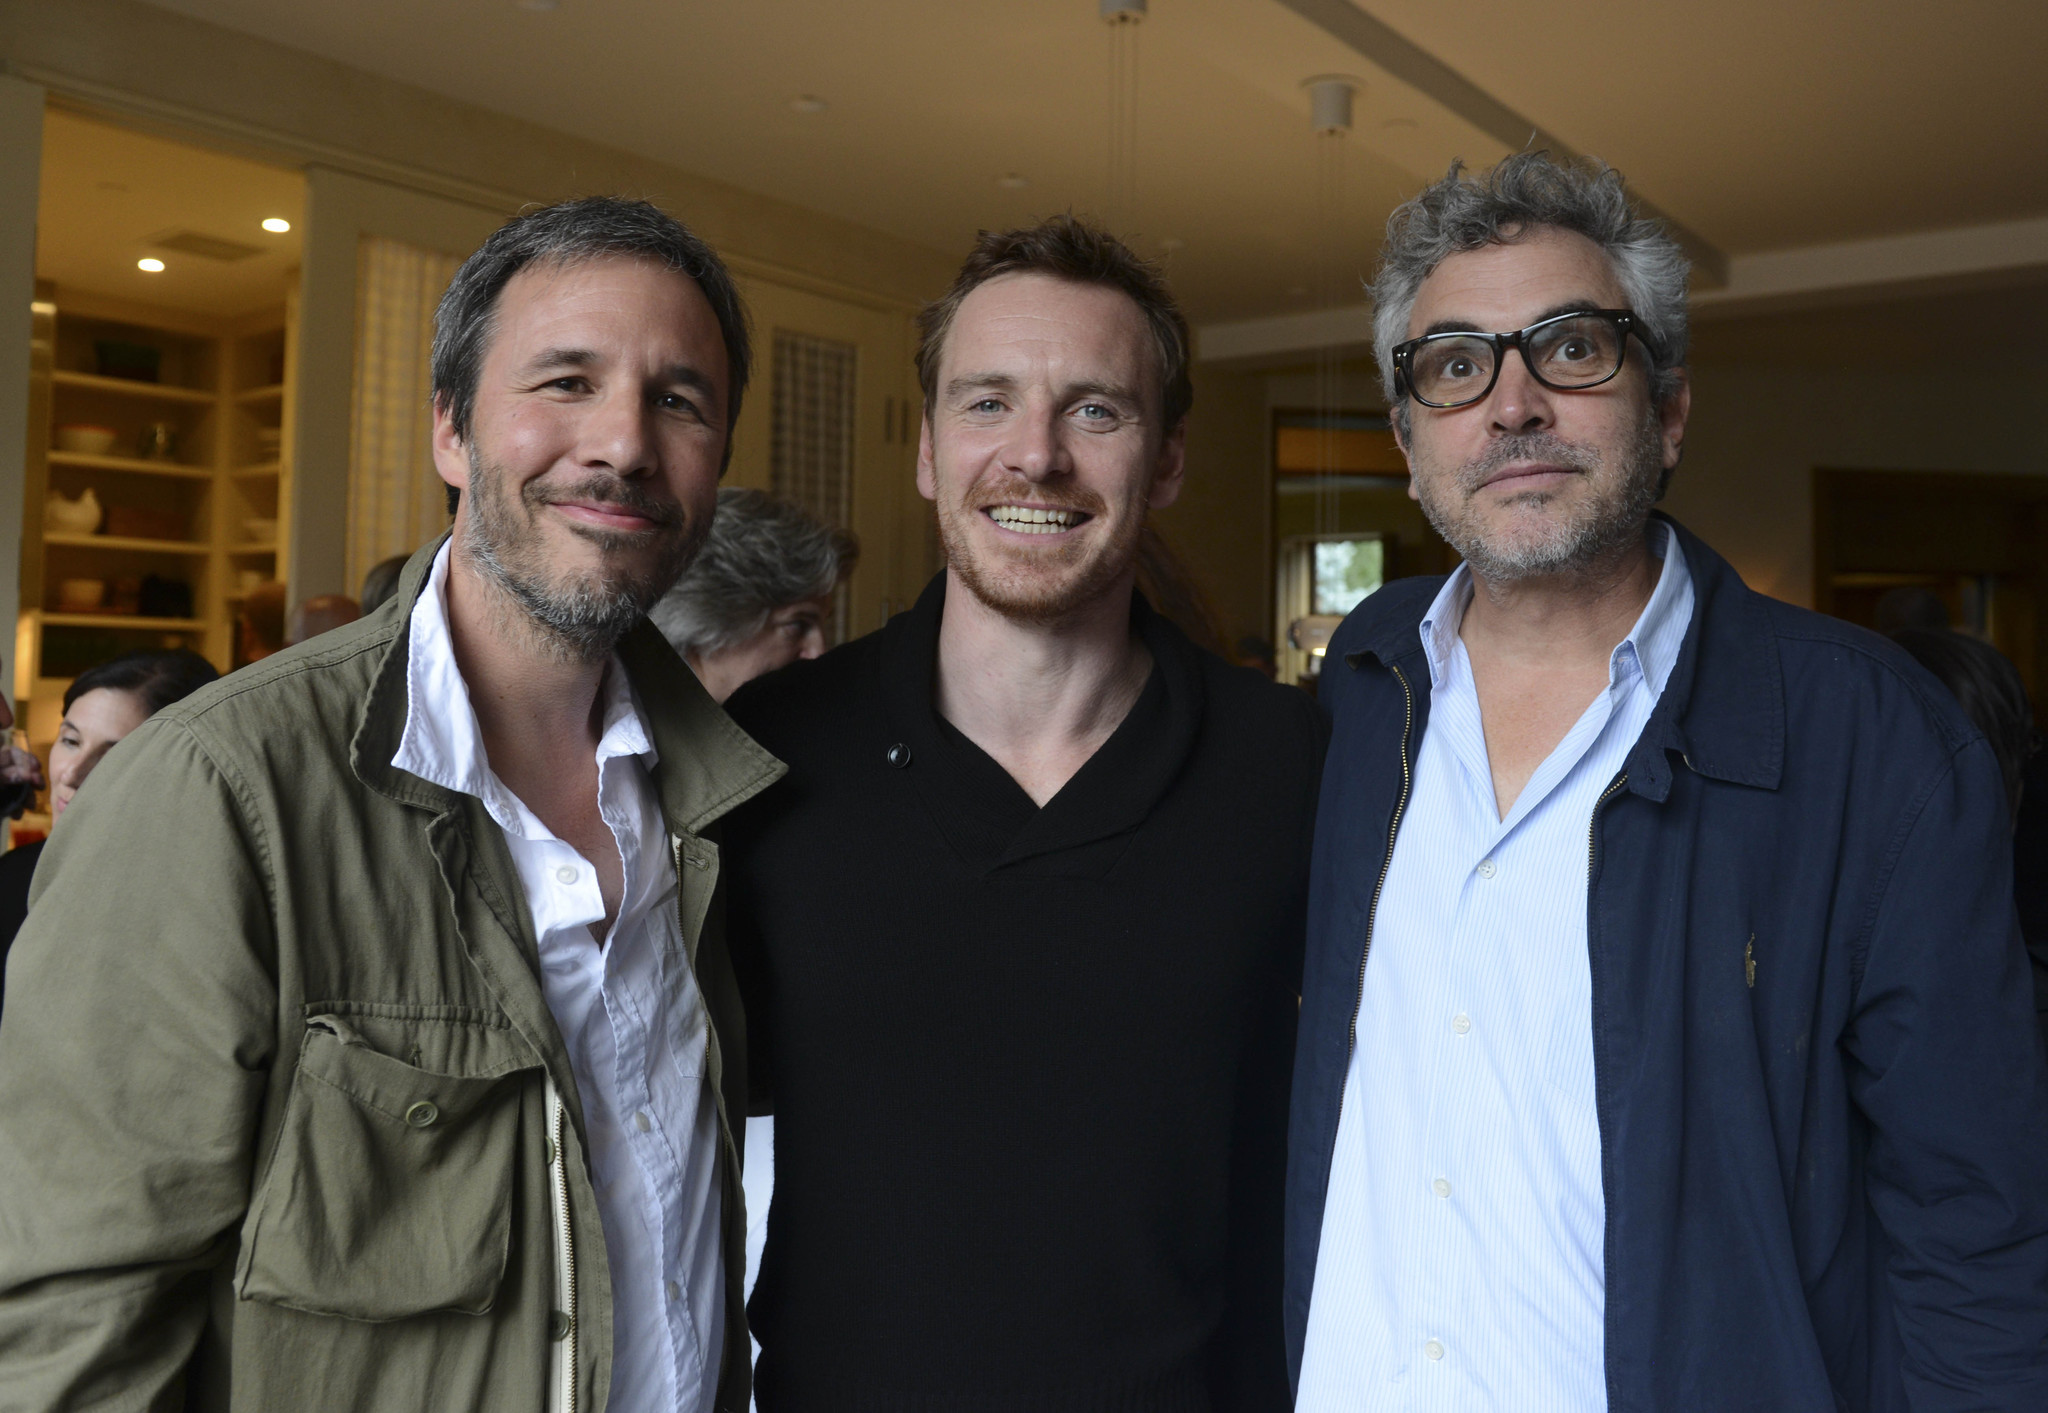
(389, 1192)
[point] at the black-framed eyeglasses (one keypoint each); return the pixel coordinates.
(1569, 352)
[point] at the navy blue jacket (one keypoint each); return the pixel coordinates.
(1822, 1100)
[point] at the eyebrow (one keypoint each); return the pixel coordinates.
(1003, 382)
(678, 373)
(1466, 326)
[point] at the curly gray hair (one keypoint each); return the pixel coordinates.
(1520, 193)
(761, 554)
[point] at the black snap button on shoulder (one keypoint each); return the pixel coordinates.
(899, 755)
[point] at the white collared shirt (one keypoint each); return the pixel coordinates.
(629, 1012)
(1460, 1263)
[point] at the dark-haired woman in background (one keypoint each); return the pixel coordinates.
(101, 705)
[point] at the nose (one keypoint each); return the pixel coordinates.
(1035, 450)
(813, 644)
(616, 433)
(1518, 403)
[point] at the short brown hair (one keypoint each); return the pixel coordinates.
(1066, 248)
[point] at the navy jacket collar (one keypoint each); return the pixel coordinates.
(1722, 712)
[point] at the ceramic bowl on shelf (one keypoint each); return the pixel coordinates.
(259, 529)
(86, 438)
(81, 595)
(72, 517)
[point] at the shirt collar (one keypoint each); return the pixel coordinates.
(443, 744)
(1651, 647)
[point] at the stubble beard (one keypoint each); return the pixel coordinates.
(1055, 583)
(577, 617)
(1586, 535)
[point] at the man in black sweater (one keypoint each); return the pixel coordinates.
(1021, 931)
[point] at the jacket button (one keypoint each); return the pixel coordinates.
(422, 1114)
(899, 755)
(558, 1325)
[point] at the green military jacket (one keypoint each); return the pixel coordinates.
(277, 1076)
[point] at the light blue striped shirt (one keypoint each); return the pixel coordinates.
(1460, 1264)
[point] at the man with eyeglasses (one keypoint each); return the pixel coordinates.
(1666, 1035)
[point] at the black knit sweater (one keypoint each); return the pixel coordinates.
(1029, 1066)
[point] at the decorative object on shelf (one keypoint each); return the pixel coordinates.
(158, 442)
(86, 438)
(72, 517)
(260, 529)
(81, 595)
(136, 522)
(248, 579)
(164, 598)
(137, 362)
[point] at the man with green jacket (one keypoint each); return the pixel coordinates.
(372, 1042)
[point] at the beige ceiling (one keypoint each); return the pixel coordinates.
(109, 195)
(1772, 123)
(1759, 125)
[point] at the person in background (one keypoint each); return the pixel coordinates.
(1985, 683)
(322, 613)
(260, 624)
(21, 774)
(759, 593)
(102, 705)
(381, 582)
(1666, 1042)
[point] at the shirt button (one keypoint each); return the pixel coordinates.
(1433, 1349)
(1441, 1188)
(1461, 1023)
(565, 874)
(675, 1292)
(641, 1121)
(1487, 869)
(422, 1114)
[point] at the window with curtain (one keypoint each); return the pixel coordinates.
(396, 502)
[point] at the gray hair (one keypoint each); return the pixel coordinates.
(568, 233)
(761, 554)
(1519, 194)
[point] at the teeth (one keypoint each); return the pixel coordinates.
(1033, 520)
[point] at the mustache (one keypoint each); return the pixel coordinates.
(1525, 446)
(1046, 497)
(607, 491)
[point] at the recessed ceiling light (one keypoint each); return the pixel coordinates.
(538, 7)
(276, 225)
(809, 103)
(1013, 181)
(150, 263)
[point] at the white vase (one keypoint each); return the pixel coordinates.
(72, 517)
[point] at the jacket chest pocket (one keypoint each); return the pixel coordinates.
(389, 1193)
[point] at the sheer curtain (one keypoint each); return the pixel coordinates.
(396, 502)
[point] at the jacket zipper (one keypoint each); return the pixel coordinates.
(1393, 829)
(1592, 863)
(564, 1358)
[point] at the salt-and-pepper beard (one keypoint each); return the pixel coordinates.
(584, 618)
(1602, 523)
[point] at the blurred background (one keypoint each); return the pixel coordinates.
(224, 224)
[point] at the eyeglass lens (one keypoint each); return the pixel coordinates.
(1574, 352)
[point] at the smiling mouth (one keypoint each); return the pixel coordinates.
(1035, 519)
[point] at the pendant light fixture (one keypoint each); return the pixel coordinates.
(1120, 197)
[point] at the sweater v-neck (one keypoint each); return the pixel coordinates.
(983, 812)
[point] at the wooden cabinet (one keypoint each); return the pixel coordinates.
(174, 425)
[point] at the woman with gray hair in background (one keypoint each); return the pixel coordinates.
(758, 593)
